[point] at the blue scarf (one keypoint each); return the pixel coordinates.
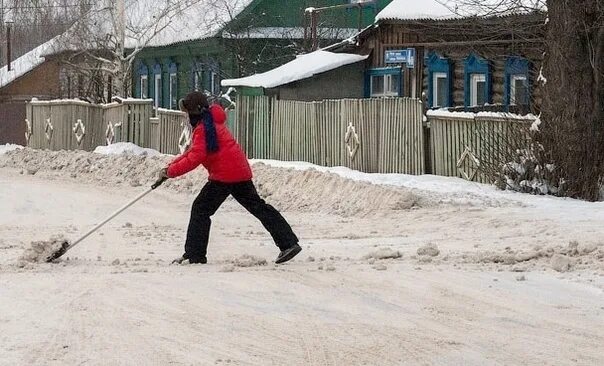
(210, 129)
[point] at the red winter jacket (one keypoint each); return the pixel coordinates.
(228, 165)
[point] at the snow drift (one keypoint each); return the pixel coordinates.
(286, 189)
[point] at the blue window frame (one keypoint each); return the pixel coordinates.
(142, 82)
(478, 81)
(516, 82)
(173, 85)
(157, 85)
(384, 82)
(440, 81)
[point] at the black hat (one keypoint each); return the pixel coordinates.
(194, 103)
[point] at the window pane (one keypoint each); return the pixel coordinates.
(377, 85)
(480, 92)
(158, 96)
(173, 91)
(394, 84)
(441, 92)
(144, 87)
(520, 95)
(215, 83)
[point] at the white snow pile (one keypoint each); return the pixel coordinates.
(246, 261)
(39, 251)
(127, 148)
(574, 256)
(383, 253)
(287, 189)
(9, 147)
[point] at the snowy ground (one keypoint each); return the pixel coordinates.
(490, 296)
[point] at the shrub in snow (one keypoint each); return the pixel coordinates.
(516, 161)
(528, 174)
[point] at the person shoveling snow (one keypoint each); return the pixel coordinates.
(214, 147)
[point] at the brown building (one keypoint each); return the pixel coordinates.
(31, 76)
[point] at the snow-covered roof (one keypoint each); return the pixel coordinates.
(25, 63)
(289, 33)
(179, 21)
(414, 9)
(302, 67)
(451, 9)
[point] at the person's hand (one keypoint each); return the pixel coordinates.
(162, 176)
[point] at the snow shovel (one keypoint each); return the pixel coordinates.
(65, 246)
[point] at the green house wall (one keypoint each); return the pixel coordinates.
(209, 56)
(232, 58)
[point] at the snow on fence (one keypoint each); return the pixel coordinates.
(370, 135)
(463, 144)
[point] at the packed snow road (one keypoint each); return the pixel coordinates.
(507, 279)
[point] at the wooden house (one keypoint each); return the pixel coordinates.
(453, 61)
(424, 50)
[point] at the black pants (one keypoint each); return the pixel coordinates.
(209, 200)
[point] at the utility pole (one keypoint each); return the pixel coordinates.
(1, 28)
(121, 38)
(8, 45)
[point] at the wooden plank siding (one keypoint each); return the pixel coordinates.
(494, 39)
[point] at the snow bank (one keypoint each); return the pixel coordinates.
(432, 183)
(309, 190)
(127, 148)
(9, 147)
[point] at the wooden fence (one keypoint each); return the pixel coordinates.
(370, 135)
(170, 131)
(73, 124)
(461, 143)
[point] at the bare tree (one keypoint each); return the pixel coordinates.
(101, 47)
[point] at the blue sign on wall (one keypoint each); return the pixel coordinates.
(395, 56)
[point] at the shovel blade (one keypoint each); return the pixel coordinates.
(62, 250)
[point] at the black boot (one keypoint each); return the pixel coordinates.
(193, 260)
(288, 254)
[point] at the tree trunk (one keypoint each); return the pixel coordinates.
(573, 115)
